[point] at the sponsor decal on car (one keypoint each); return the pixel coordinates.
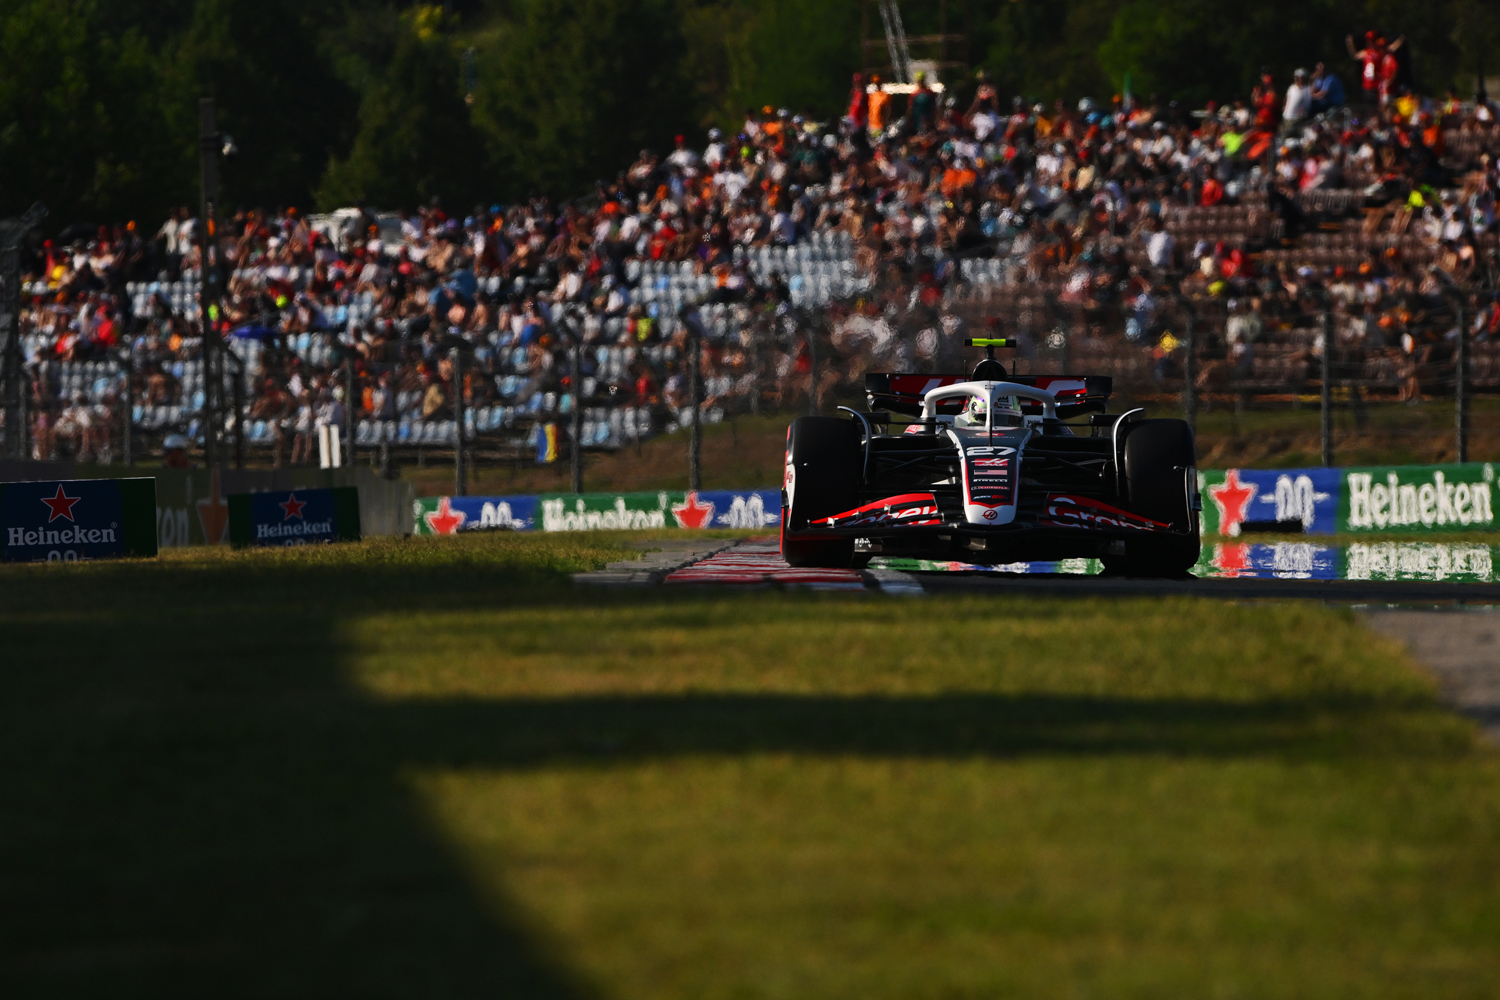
(989, 480)
(1064, 510)
(907, 509)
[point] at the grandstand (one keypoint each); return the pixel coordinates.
(1117, 239)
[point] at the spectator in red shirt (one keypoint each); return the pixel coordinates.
(859, 103)
(1390, 68)
(1369, 60)
(1263, 99)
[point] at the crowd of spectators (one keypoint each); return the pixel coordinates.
(871, 242)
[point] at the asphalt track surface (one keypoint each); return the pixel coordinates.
(756, 562)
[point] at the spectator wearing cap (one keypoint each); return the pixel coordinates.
(1298, 100)
(684, 158)
(923, 107)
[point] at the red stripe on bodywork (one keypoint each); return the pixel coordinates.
(908, 508)
(1064, 510)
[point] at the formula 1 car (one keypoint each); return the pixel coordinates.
(988, 471)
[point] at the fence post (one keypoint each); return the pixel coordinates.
(1189, 372)
(576, 458)
(460, 476)
(1325, 396)
(695, 441)
(128, 404)
(1460, 387)
(351, 406)
(239, 419)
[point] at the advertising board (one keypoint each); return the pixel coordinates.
(77, 519)
(1417, 499)
(740, 509)
(1295, 500)
(294, 517)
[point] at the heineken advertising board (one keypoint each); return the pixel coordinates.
(753, 509)
(294, 517)
(73, 520)
(1283, 499)
(1394, 500)
(1418, 498)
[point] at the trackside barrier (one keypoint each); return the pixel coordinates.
(744, 509)
(1373, 500)
(192, 505)
(294, 517)
(75, 520)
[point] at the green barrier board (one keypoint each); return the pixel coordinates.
(1418, 498)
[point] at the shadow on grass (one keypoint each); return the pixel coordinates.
(197, 803)
(525, 733)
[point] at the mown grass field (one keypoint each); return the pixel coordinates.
(432, 768)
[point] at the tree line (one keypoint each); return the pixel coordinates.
(393, 103)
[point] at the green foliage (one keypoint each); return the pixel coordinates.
(415, 140)
(578, 88)
(1193, 51)
(749, 53)
(363, 99)
(79, 128)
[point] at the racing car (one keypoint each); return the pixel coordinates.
(992, 468)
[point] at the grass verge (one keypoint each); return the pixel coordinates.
(433, 768)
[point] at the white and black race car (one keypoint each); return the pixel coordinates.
(990, 471)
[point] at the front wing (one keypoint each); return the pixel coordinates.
(1062, 526)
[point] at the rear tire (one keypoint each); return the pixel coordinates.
(1160, 474)
(823, 474)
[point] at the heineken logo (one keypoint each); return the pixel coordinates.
(1427, 501)
(74, 535)
(618, 516)
(293, 530)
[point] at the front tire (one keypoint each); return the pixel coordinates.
(823, 473)
(1160, 479)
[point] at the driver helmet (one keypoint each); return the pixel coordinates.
(978, 408)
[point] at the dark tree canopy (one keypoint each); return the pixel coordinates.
(391, 103)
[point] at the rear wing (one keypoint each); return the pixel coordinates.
(902, 393)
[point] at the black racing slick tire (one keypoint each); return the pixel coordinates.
(823, 472)
(1160, 480)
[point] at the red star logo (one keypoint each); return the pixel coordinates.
(62, 505)
(1233, 500)
(445, 520)
(692, 514)
(1232, 560)
(292, 506)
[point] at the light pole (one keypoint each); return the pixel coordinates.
(694, 325)
(209, 145)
